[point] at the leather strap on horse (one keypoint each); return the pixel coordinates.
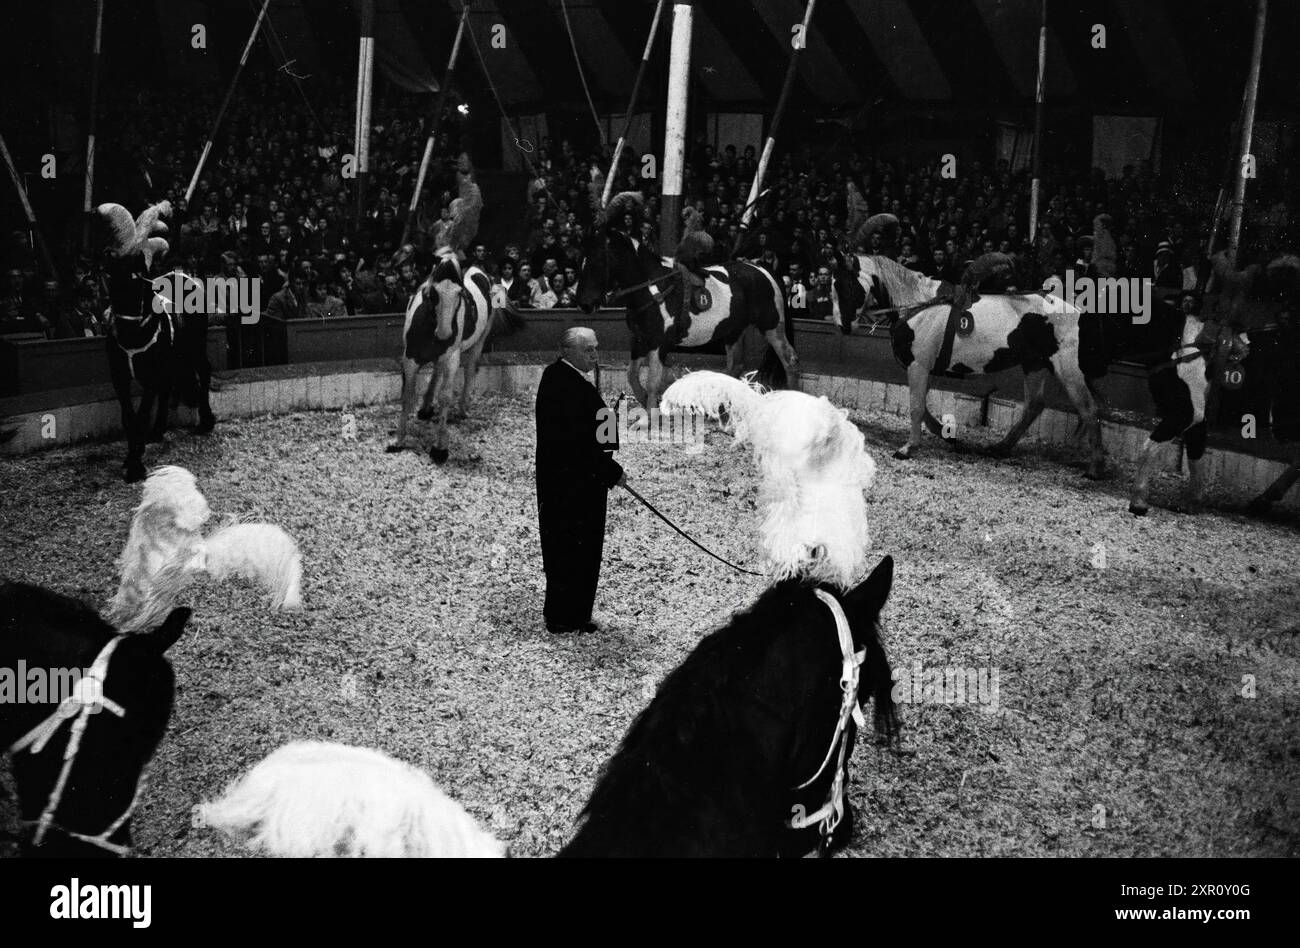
(830, 813)
(87, 698)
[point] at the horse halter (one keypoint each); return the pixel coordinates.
(86, 699)
(828, 816)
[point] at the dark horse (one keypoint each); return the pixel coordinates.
(148, 342)
(55, 634)
(733, 296)
(739, 740)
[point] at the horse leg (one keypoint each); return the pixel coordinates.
(1277, 490)
(1035, 398)
(634, 380)
(1080, 395)
(733, 357)
(1194, 442)
(444, 377)
(133, 467)
(207, 421)
(426, 407)
(785, 352)
(471, 370)
(918, 386)
(158, 434)
(1137, 504)
(409, 371)
(654, 380)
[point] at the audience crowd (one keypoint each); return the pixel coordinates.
(274, 203)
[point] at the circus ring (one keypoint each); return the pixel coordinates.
(1145, 669)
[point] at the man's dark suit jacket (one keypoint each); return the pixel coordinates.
(574, 474)
(568, 420)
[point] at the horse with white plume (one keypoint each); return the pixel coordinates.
(150, 341)
(814, 468)
(78, 786)
(735, 739)
(166, 550)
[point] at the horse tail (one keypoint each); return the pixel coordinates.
(771, 372)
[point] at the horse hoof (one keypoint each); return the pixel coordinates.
(424, 414)
(394, 448)
(902, 454)
(133, 472)
(1138, 510)
(206, 425)
(439, 455)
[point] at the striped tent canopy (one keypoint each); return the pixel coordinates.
(1157, 55)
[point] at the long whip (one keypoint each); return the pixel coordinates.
(651, 507)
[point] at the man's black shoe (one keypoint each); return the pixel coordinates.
(589, 627)
(557, 629)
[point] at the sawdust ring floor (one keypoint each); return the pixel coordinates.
(1121, 728)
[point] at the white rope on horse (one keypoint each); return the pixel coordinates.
(86, 699)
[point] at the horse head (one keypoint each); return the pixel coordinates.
(613, 255)
(613, 262)
(446, 284)
(90, 813)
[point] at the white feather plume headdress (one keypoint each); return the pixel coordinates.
(166, 550)
(813, 467)
(312, 798)
(128, 237)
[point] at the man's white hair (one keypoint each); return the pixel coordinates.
(575, 336)
(813, 468)
(311, 798)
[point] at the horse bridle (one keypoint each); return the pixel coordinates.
(828, 816)
(85, 700)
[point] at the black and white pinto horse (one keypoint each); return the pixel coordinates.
(1184, 376)
(447, 322)
(736, 296)
(148, 342)
(78, 764)
(1036, 331)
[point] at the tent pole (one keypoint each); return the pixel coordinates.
(756, 187)
(679, 79)
(435, 124)
(1035, 186)
(365, 79)
(631, 105)
(90, 122)
(216, 123)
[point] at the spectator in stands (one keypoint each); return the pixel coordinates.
(821, 300)
(796, 293)
(291, 301)
(565, 297)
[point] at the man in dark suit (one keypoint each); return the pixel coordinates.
(575, 471)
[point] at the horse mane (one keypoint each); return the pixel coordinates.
(904, 285)
(690, 752)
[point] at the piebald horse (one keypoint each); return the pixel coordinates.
(735, 296)
(447, 321)
(1036, 331)
(148, 342)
